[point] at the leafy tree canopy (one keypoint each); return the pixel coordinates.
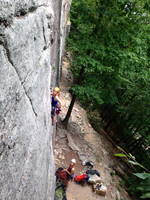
(110, 45)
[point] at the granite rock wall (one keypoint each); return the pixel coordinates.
(61, 29)
(32, 38)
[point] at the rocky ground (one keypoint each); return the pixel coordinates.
(82, 142)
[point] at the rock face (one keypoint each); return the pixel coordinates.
(32, 36)
(61, 28)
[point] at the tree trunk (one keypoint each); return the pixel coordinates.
(65, 121)
(77, 82)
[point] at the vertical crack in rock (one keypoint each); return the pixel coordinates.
(44, 35)
(4, 44)
(2, 148)
(28, 74)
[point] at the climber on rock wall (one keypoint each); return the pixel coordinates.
(56, 104)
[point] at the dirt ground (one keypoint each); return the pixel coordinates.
(82, 142)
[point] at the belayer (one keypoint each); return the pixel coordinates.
(55, 104)
(66, 174)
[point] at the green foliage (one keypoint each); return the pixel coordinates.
(142, 175)
(131, 160)
(110, 45)
(120, 155)
(60, 191)
(144, 185)
(105, 40)
(141, 187)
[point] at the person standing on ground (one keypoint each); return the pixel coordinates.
(65, 175)
(71, 169)
(56, 104)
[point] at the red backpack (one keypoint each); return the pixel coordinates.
(80, 178)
